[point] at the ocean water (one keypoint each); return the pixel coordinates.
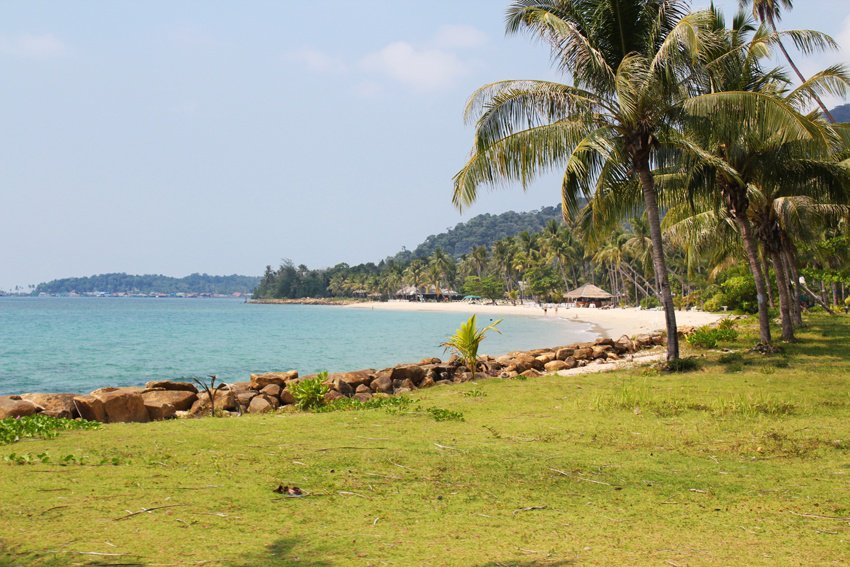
(79, 344)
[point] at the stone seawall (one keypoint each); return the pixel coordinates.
(166, 399)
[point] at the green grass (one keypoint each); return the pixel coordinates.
(710, 467)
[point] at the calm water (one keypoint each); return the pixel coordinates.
(79, 344)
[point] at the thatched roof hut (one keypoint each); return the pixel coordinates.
(589, 293)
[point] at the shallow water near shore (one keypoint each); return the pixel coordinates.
(79, 344)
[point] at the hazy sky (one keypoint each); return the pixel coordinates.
(177, 137)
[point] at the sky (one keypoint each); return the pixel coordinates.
(207, 136)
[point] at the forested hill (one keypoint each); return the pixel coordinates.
(841, 113)
(150, 284)
(485, 229)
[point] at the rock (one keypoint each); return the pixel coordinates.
(570, 363)
(402, 391)
(585, 353)
(555, 365)
(505, 360)
(426, 361)
(408, 384)
(546, 357)
(286, 397)
(54, 405)
(492, 367)
(604, 341)
(90, 408)
(524, 361)
(601, 351)
(564, 353)
(624, 345)
(239, 387)
(333, 395)
(363, 396)
(508, 374)
(461, 377)
(272, 390)
(383, 382)
(342, 387)
(244, 398)
(354, 379)
(11, 407)
(171, 385)
(531, 373)
(125, 389)
(443, 383)
(427, 382)
(412, 372)
(612, 356)
(363, 389)
(260, 381)
(225, 400)
(263, 403)
(123, 405)
(160, 412)
(180, 399)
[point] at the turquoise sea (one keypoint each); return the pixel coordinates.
(79, 344)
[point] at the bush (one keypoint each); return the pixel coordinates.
(681, 365)
(715, 302)
(708, 337)
(310, 392)
(649, 302)
(41, 426)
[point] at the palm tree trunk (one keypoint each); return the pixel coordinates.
(769, 287)
(784, 295)
(758, 275)
(650, 200)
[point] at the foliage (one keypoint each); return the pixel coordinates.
(650, 302)
(707, 337)
(440, 414)
(687, 364)
(467, 339)
(488, 287)
(126, 283)
(39, 426)
(309, 393)
(392, 404)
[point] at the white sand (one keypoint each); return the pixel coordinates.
(612, 323)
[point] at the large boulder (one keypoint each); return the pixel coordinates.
(171, 385)
(353, 379)
(584, 353)
(600, 351)
(383, 382)
(564, 353)
(90, 408)
(286, 397)
(14, 406)
(123, 405)
(412, 372)
(239, 387)
(260, 381)
(272, 390)
(159, 412)
(54, 405)
(225, 400)
(263, 404)
(181, 400)
(341, 386)
(555, 365)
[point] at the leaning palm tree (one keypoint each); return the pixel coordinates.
(769, 12)
(629, 60)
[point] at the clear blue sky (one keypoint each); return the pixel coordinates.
(182, 136)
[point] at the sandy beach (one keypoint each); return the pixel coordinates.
(612, 323)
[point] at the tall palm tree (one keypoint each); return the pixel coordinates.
(627, 59)
(769, 12)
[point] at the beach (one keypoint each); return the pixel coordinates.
(613, 323)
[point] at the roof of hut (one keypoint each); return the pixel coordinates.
(588, 291)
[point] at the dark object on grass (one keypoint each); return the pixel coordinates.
(290, 491)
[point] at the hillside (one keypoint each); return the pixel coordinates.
(841, 113)
(485, 229)
(149, 284)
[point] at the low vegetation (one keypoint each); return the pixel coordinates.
(710, 467)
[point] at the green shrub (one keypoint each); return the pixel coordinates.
(649, 302)
(440, 414)
(681, 365)
(708, 337)
(715, 302)
(41, 426)
(309, 393)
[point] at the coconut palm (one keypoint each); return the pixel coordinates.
(769, 12)
(628, 60)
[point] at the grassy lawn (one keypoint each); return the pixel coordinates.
(745, 461)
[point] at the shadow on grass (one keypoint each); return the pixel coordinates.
(280, 554)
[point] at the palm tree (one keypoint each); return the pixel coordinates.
(627, 59)
(769, 12)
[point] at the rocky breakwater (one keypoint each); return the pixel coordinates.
(269, 392)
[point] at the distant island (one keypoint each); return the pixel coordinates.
(150, 285)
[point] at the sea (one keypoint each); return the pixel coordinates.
(78, 344)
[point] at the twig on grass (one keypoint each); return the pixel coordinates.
(348, 493)
(528, 509)
(819, 517)
(143, 510)
(579, 477)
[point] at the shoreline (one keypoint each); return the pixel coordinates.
(607, 323)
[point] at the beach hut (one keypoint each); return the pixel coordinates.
(589, 294)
